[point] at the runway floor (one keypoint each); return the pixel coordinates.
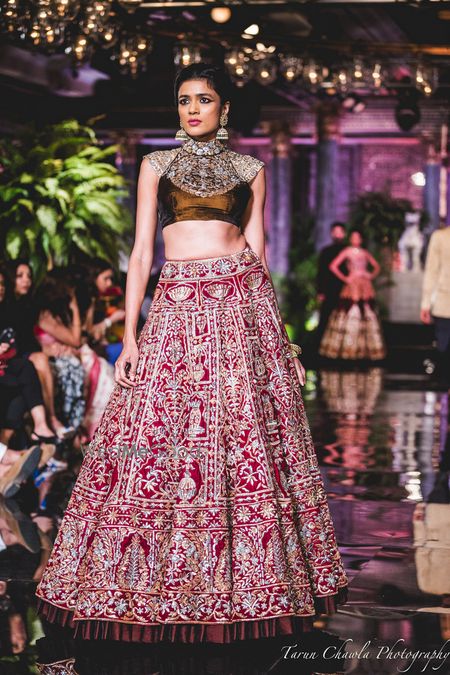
(382, 442)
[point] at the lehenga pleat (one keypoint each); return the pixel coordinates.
(199, 513)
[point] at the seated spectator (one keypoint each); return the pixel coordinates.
(106, 316)
(99, 374)
(22, 316)
(58, 330)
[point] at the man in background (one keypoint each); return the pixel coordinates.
(436, 295)
(328, 285)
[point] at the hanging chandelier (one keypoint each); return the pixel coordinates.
(368, 75)
(79, 27)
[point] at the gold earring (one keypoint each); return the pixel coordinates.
(181, 134)
(222, 134)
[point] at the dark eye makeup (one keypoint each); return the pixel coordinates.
(185, 99)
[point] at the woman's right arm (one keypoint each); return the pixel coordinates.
(140, 264)
(335, 264)
(66, 335)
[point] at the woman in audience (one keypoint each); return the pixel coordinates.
(23, 317)
(58, 331)
(99, 374)
(101, 275)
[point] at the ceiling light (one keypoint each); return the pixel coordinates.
(252, 30)
(290, 67)
(418, 179)
(266, 72)
(220, 14)
(186, 54)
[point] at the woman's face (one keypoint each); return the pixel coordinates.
(2, 288)
(355, 239)
(104, 281)
(200, 108)
(24, 279)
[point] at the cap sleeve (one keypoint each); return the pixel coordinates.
(247, 166)
(160, 160)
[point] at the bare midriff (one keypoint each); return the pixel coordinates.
(193, 239)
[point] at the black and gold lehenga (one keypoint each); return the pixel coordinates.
(199, 513)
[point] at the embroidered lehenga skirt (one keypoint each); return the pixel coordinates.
(354, 331)
(199, 513)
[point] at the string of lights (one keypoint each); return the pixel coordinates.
(79, 27)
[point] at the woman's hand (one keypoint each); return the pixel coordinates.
(300, 371)
(128, 355)
(118, 315)
(4, 346)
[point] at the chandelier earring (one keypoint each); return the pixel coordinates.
(222, 134)
(181, 134)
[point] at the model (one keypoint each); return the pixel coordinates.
(353, 331)
(199, 513)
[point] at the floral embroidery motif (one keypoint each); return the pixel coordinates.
(222, 515)
(204, 175)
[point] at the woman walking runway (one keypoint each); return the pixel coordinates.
(199, 513)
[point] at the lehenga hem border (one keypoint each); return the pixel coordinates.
(190, 632)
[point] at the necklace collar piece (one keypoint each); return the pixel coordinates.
(207, 148)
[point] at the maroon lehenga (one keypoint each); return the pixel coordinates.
(199, 513)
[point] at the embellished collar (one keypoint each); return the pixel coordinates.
(205, 148)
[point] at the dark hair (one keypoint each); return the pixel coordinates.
(337, 223)
(8, 285)
(79, 277)
(98, 265)
(54, 295)
(13, 265)
(216, 76)
(357, 231)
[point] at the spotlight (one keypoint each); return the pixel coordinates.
(220, 14)
(418, 179)
(251, 31)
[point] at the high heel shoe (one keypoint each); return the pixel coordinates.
(21, 525)
(48, 444)
(18, 472)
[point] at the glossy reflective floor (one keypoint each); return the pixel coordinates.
(384, 450)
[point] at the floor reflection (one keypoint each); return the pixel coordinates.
(384, 448)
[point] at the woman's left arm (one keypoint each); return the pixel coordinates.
(253, 228)
(376, 268)
(253, 221)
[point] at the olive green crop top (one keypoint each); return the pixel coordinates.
(203, 181)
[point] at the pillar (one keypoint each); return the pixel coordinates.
(327, 179)
(280, 199)
(431, 193)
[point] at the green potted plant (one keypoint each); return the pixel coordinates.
(297, 290)
(60, 197)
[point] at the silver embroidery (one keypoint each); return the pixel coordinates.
(160, 159)
(201, 174)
